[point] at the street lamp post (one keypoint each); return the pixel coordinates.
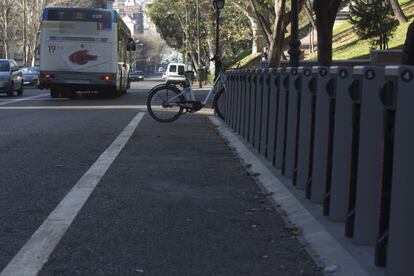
(294, 43)
(199, 69)
(186, 32)
(24, 34)
(218, 6)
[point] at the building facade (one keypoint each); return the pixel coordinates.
(132, 13)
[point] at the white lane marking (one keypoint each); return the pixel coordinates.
(204, 111)
(35, 253)
(330, 251)
(74, 107)
(23, 99)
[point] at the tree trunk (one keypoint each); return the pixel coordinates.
(6, 37)
(212, 65)
(325, 19)
(5, 49)
(399, 14)
(277, 34)
(324, 45)
(194, 60)
(309, 15)
(258, 37)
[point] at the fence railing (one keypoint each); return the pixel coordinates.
(345, 135)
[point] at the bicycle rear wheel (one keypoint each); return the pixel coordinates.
(218, 103)
(163, 105)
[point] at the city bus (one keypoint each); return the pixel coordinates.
(84, 50)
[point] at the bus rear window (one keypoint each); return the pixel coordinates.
(78, 15)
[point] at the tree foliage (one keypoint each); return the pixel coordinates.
(7, 24)
(177, 24)
(149, 47)
(371, 20)
(168, 23)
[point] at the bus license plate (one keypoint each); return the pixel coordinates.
(77, 81)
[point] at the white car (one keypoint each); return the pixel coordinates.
(175, 73)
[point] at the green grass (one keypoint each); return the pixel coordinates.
(342, 28)
(250, 61)
(253, 61)
(230, 61)
(347, 45)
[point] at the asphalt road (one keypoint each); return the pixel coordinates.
(175, 201)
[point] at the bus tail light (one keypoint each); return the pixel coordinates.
(106, 78)
(48, 76)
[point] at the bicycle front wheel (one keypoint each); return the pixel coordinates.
(163, 105)
(219, 102)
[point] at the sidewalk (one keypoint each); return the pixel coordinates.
(177, 201)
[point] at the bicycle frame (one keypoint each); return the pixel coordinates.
(221, 79)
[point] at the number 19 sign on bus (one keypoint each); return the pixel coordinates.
(84, 50)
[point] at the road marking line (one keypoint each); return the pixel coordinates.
(330, 251)
(74, 107)
(35, 253)
(23, 99)
(205, 111)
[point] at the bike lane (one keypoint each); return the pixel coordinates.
(177, 201)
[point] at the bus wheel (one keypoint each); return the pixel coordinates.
(116, 93)
(73, 95)
(10, 92)
(54, 93)
(65, 93)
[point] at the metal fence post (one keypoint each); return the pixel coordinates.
(258, 109)
(238, 109)
(355, 93)
(242, 89)
(369, 157)
(340, 172)
(317, 181)
(227, 95)
(300, 178)
(233, 86)
(282, 119)
(252, 112)
(332, 93)
(247, 104)
(273, 105)
(231, 107)
(234, 108)
(401, 224)
(265, 113)
(292, 122)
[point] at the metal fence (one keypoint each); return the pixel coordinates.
(345, 135)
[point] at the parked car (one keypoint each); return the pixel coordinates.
(175, 73)
(136, 75)
(10, 78)
(30, 76)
